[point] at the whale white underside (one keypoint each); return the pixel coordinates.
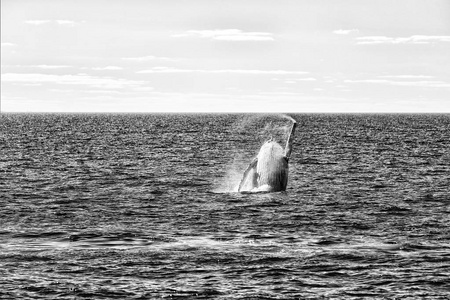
(268, 172)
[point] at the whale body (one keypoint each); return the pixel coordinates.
(268, 172)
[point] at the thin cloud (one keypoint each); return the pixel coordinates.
(228, 35)
(79, 79)
(345, 31)
(65, 22)
(147, 58)
(368, 81)
(407, 76)
(59, 22)
(420, 83)
(226, 71)
(108, 68)
(415, 39)
(424, 83)
(8, 44)
(97, 91)
(51, 66)
(143, 89)
(306, 79)
(297, 80)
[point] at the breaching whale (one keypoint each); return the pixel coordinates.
(268, 171)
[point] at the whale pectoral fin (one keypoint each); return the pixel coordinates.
(250, 167)
(289, 142)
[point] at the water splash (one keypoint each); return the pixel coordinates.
(233, 175)
(289, 118)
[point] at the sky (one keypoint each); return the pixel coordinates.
(294, 56)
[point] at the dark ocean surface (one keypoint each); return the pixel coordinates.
(136, 206)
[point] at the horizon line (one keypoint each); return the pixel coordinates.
(218, 112)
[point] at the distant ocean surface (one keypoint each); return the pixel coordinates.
(142, 206)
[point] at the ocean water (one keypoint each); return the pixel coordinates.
(140, 206)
